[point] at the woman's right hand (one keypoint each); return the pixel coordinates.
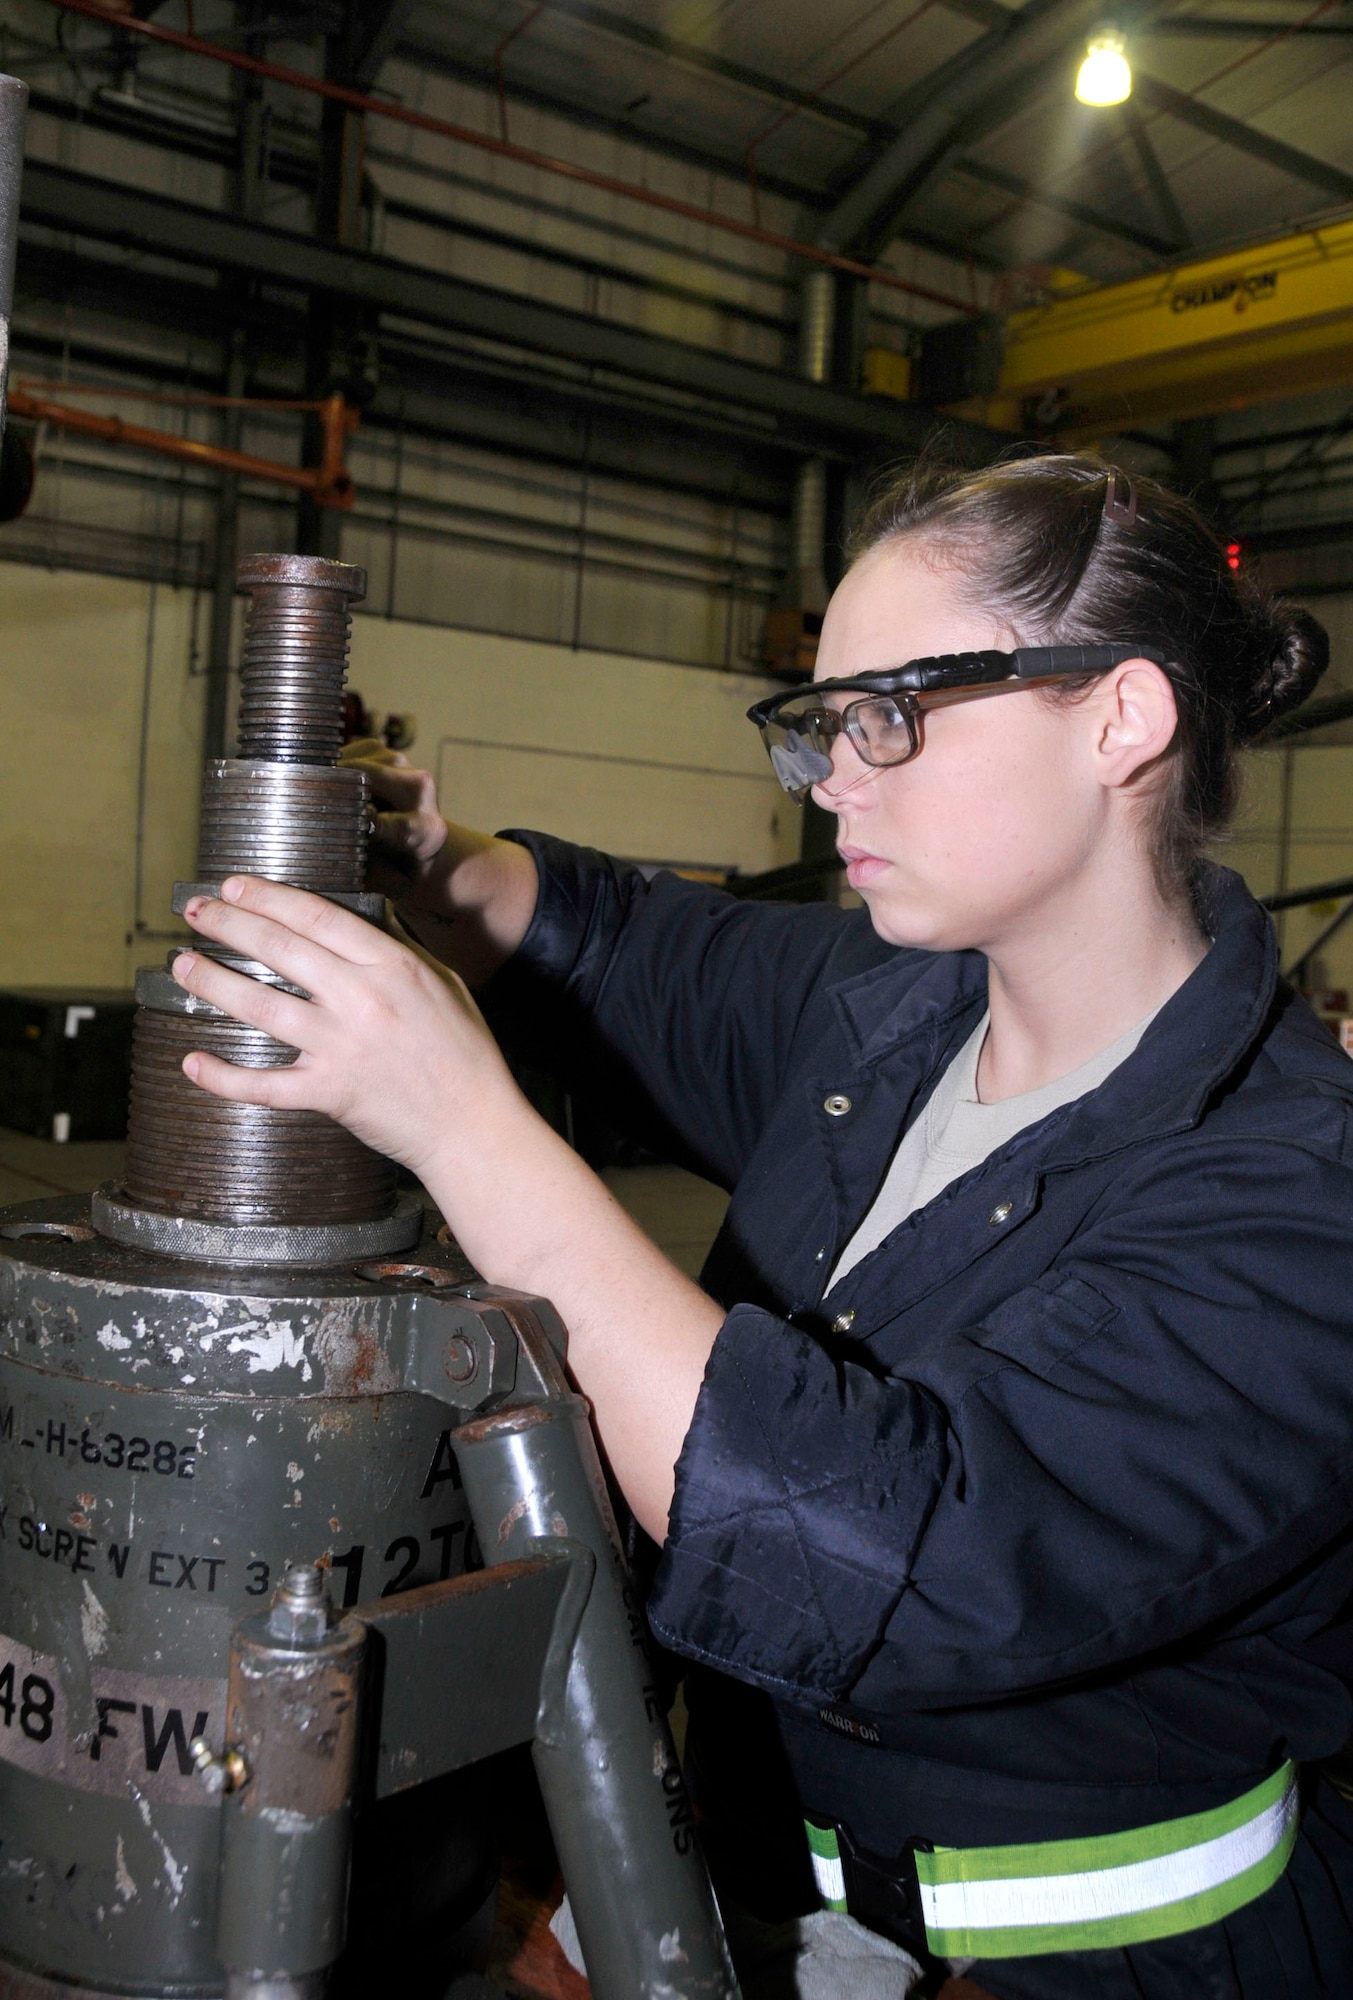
(468, 898)
(409, 831)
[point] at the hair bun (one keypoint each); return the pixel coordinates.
(1298, 649)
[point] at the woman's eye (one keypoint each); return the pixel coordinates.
(882, 717)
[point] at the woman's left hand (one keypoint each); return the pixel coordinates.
(397, 1051)
(390, 1047)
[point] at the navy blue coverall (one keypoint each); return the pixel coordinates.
(1041, 1524)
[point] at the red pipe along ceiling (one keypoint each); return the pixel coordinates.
(399, 114)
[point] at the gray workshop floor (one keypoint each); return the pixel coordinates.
(680, 1212)
(32, 1168)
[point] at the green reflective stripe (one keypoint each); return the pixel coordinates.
(1087, 1895)
(1097, 1893)
(825, 1851)
(1100, 1934)
(1104, 1850)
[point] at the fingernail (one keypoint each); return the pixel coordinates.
(191, 1065)
(184, 961)
(232, 888)
(194, 907)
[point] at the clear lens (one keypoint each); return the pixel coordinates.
(799, 737)
(799, 755)
(797, 765)
(881, 730)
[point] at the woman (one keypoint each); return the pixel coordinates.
(1014, 1460)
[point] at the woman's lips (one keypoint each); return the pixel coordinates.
(862, 867)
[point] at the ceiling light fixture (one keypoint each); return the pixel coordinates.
(1104, 77)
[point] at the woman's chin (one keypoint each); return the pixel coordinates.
(907, 922)
(908, 927)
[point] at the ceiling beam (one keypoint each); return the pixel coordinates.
(1167, 208)
(1243, 138)
(979, 91)
(1250, 31)
(1258, 441)
(798, 414)
(660, 41)
(382, 25)
(546, 250)
(294, 171)
(423, 55)
(1156, 98)
(933, 116)
(1077, 211)
(1301, 535)
(757, 83)
(484, 400)
(986, 13)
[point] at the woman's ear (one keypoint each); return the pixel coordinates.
(1135, 721)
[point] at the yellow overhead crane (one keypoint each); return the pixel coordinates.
(1270, 320)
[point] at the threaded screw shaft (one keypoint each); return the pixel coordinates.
(295, 656)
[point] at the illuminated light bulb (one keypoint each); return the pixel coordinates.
(1104, 77)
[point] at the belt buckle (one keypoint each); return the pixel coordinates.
(885, 1892)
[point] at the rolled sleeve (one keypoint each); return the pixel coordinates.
(1114, 1459)
(778, 1570)
(583, 901)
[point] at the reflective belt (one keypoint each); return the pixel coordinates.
(1086, 1895)
(825, 1851)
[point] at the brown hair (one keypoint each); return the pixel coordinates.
(1034, 544)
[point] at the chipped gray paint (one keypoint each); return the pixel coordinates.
(304, 1412)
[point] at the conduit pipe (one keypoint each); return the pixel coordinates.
(403, 114)
(817, 324)
(793, 626)
(13, 110)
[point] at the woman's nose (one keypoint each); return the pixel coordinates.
(848, 770)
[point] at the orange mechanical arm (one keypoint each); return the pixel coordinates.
(329, 484)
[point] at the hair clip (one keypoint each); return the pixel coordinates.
(1120, 499)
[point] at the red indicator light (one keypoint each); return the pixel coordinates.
(1233, 555)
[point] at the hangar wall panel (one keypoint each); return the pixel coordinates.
(83, 668)
(1319, 843)
(1318, 812)
(652, 760)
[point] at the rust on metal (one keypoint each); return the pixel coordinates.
(394, 1270)
(284, 810)
(293, 1719)
(507, 1423)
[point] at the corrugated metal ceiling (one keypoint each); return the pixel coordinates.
(727, 78)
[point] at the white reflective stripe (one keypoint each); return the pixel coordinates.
(830, 1877)
(1109, 1892)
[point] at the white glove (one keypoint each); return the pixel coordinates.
(825, 1956)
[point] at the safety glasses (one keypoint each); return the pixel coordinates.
(800, 727)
